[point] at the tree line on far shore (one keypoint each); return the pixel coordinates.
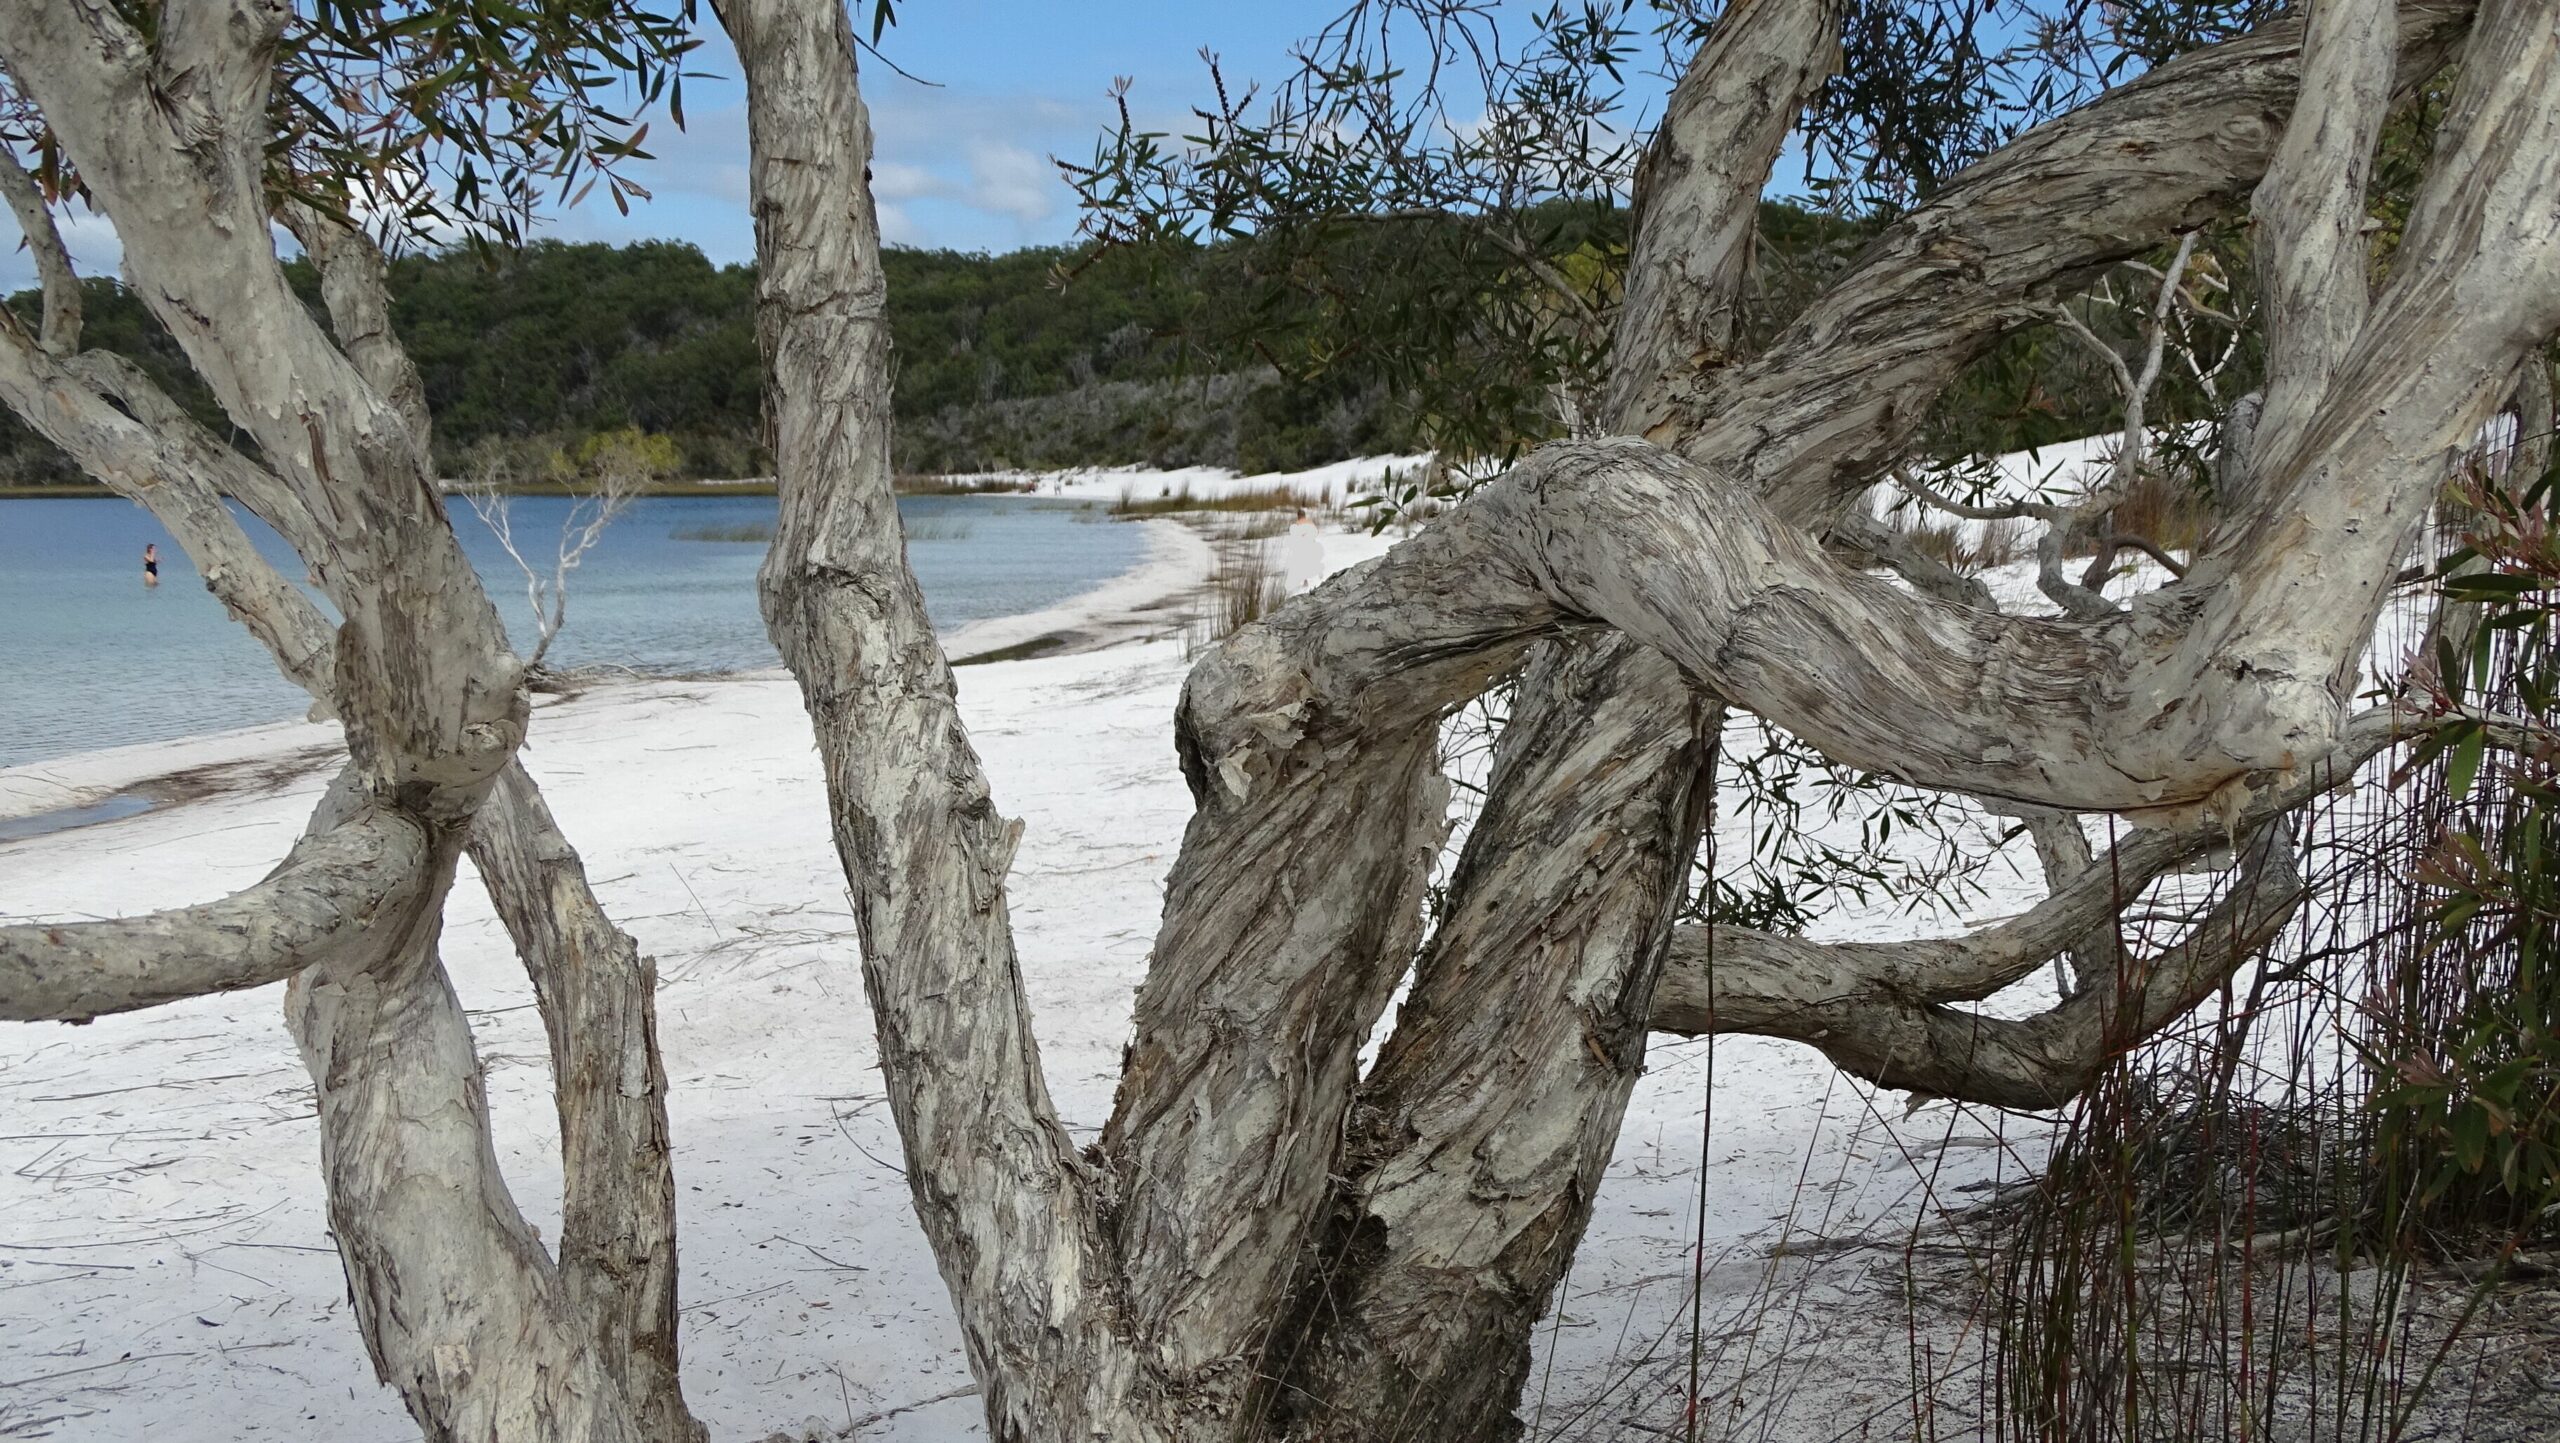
(1040, 358)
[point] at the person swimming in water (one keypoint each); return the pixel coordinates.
(151, 563)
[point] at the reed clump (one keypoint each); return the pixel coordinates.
(1170, 500)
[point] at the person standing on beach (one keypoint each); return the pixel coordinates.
(1302, 558)
(151, 564)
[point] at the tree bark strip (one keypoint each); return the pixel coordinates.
(1480, 1137)
(599, 1005)
(459, 1306)
(1003, 1195)
(1481, 1134)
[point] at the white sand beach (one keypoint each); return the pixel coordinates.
(165, 1266)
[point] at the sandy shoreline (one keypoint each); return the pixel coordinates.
(1152, 600)
(167, 1269)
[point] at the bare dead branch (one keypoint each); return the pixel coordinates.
(1893, 550)
(1885, 1010)
(547, 593)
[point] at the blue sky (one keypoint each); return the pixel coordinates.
(964, 163)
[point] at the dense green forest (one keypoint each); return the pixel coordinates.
(1038, 358)
(1003, 361)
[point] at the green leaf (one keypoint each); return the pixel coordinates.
(2463, 766)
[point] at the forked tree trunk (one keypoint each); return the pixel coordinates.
(460, 1307)
(1146, 1296)
(1147, 1289)
(1479, 1140)
(1002, 1193)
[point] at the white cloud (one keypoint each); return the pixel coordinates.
(973, 170)
(95, 249)
(949, 169)
(897, 229)
(706, 159)
(1010, 180)
(893, 181)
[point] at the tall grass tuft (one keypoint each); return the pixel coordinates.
(1170, 500)
(758, 532)
(2164, 506)
(2298, 1218)
(1968, 548)
(1243, 588)
(913, 484)
(937, 528)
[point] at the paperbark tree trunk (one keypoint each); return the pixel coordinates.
(1144, 1289)
(1478, 1142)
(461, 1308)
(598, 1000)
(596, 993)
(1003, 1195)
(1200, 1273)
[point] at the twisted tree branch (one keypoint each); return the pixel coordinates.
(323, 902)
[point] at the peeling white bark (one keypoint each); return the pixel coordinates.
(1477, 1142)
(354, 286)
(1003, 1195)
(2474, 290)
(1277, 715)
(2115, 715)
(1698, 198)
(598, 999)
(2309, 212)
(460, 1307)
(1139, 1299)
(1290, 915)
(596, 993)
(187, 450)
(1131, 1294)
(1479, 1138)
(44, 244)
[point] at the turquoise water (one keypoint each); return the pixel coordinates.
(89, 658)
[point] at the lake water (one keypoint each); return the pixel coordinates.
(89, 658)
